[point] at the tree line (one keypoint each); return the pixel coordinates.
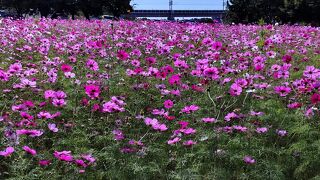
(71, 7)
(286, 11)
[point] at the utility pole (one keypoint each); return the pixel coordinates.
(223, 5)
(171, 10)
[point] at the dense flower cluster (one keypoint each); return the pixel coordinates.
(140, 83)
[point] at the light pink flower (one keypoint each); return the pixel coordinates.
(209, 120)
(53, 127)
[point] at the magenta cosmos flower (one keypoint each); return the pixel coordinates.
(92, 91)
(7, 152)
(189, 143)
(282, 90)
(122, 55)
(29, 150)
(63, 155)
(66, 68)
(174, 79)
(315, 98)
(168, 104)
(235, 90)
(311, 72)
(189, 109)
(44, 162)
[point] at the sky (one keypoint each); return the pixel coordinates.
(178, 4)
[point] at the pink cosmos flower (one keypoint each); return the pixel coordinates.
(160, 127)
(151, 60)
(189, 143)
(3, 76)
(241, 82)
(175, 92)
(174, 140)
(209, 120)
(15, 68)
(66, 68)
(89, 158)
(80, 162)
(168, 104)
(240, 128)
(81, 171)
(282, 132)
(118, 135)
(211, 73)
(122, 55)
(287, 58)
(44, 162)
(249, 160)
(282, 90)
(49, 94)
(7, 152)
(72, 59)
(63, 156)
(44, 115)
(159, 112)
(253, 113)
(69, 75)
(18, 108)
(114, 105)
(189, 109)
(59, 102)
(217, 45)
(294, 105)
(111, 107)
(92, 91)
(28, 83)
(29, 150)
(29, 104)
(183, 124)
(230, 116)
(311, 72)
(53, 127)
(188, 131)
(261, 130)
(174, 79)
(135, 63)
(95, 107)
(155, 124)
(25, 115)
(60, 95)
(259, 66)
(92, 65)
(315, 98)
(235, 90)
(309, 112)
(31, 133)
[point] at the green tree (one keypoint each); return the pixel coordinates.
(248, 11)
(87, 7)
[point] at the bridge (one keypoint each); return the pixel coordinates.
(214, 14)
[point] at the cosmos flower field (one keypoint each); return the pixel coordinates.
(158, 100)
